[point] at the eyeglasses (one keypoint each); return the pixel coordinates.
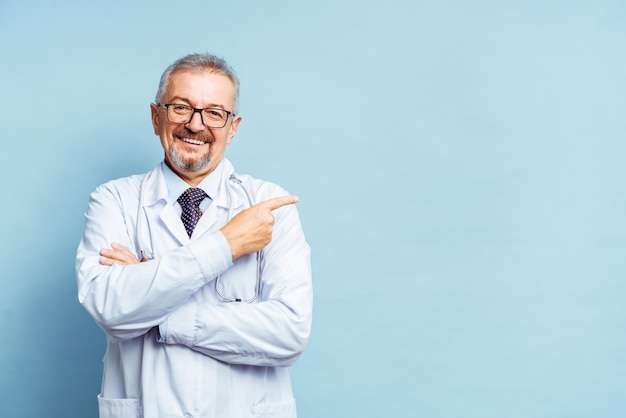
(211, 117)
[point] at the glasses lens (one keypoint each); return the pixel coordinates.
(179, 113)
(215, 118)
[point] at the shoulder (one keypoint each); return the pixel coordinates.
(123, 188)
(259, 189)
(121, 185)
(262, 188)
(254, 190)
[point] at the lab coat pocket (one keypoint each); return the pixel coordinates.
(275, 410)
(118, 408)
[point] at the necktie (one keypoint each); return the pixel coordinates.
(190, 202)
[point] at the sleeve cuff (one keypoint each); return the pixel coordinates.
(212, 253)
(180, 326)
(224, 247)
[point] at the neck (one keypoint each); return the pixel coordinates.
(192, 178)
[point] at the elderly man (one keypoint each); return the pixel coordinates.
(221, 302)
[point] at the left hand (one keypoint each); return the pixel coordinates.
(251, 229)
(118, 254)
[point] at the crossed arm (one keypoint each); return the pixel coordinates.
(271, 333)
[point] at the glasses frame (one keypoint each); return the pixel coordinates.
(195, 110)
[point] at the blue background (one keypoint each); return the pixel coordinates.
(461, 173)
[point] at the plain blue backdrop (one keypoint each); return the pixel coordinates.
(460, 167)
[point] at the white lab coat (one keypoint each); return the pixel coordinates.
(219, 359)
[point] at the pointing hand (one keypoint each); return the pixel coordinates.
(251, 229)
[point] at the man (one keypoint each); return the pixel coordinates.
(220, 304)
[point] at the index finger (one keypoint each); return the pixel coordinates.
(280, 201)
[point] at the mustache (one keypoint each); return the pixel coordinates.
(184, 132)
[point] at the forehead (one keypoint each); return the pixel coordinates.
(200, 88)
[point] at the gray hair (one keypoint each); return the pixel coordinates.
(200, 62)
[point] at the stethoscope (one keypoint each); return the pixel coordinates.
(234, 179)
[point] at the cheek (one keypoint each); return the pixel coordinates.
(219, 146)
(167, 132)
(167, 139)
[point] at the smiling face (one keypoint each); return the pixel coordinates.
(193, 150)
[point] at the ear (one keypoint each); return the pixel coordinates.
(233, 128)
(154, 110)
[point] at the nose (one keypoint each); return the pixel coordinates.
(195, 124)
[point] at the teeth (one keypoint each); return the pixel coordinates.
(192, 141)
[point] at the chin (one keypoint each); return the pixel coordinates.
(189, 164)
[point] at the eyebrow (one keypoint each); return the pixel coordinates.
(210, 106)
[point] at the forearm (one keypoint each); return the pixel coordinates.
(126, 301)
(264, 334)
(270, 333)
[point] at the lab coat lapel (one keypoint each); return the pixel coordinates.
(158, 209)
(216, 214)
(208, 220)
(174, 224)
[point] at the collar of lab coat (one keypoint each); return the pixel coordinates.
(155, 196)
(155, 188)
(222, 199)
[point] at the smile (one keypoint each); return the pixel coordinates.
(192, 141)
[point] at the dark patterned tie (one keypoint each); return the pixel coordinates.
(190, 202)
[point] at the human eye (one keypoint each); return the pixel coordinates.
(181, 109)
(215, 114)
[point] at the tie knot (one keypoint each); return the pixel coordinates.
(192, 196)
